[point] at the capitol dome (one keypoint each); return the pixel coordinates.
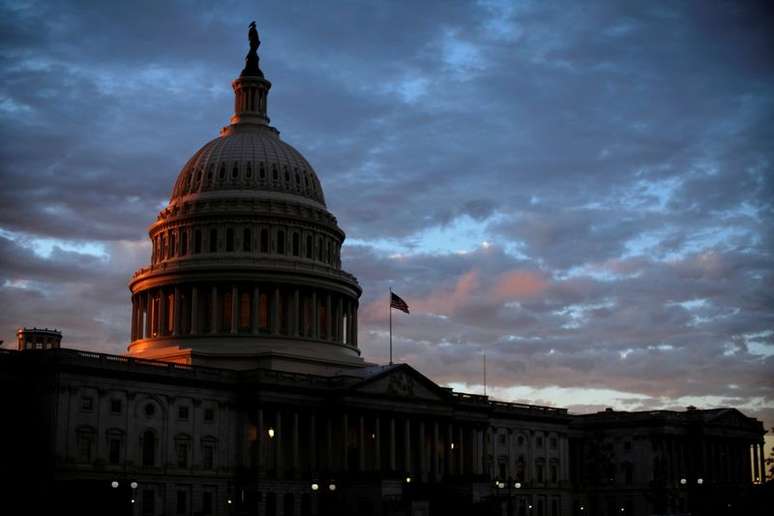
(245, 267)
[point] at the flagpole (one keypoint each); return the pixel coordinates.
(484, 373)
(389, 308)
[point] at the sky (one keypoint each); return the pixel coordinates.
(583, 191)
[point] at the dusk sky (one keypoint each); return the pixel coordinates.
(584, 191)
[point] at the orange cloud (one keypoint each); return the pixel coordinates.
(517, 285)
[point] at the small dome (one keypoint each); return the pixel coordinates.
(250, 160)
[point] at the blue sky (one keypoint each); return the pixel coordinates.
(582, 190)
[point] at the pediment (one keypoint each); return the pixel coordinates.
(731, 418)
(401, 382)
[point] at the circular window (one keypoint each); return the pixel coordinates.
(150, 409)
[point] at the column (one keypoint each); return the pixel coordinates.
(329, 458)
(313, 443)
(378, 445)
(176, 313)
(328, 306)
(315, 316)
(354, 326)
(296, 328)
(407, 445)
(480, 454)
(362, 444)
(234, 310)
(762, 463)
(296, 469)
(451, 450)
(162, 329)
(345, 438)
(434, 456)
(340, 320)
(392, 444)
(260, 442)
(256, 311)
(194, 310)
(133, 331)
(275, 316)
(214, 326)
(461, 453)
(422, 451)
(148, 303)
(278, 437)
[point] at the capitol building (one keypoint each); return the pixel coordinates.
(244, 390)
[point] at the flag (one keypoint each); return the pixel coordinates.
(397, 302)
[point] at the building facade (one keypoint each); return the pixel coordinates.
(244, 391)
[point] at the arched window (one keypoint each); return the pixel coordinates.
(247, 243)
(295, 244)
(280, 242)
(244, 311)
(198, 241)
(213, 240)
(309, 247)
(229, 239)
(264, 240)
(234, 172)
(148, 448)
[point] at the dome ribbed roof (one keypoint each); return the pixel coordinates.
(252, 160)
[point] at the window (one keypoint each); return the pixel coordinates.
(628, 473)
(171, 244)
(280, 242)
(213, 240)
(309, 246)
(209, 415)
(182, 413)
(87, 403)
(247, 244)
(229, 239)
(554, 474)
(501, 438)
(207, 501)
(553, 443)
(198, 241)
(226, 315)
(627, 445)
(182, 502)
(114, 452)
(148, 448)
(540, 472)
(208, 454)
(85, 444)
(244, 311)
(539, 442)
(181, 447)
(264, 240)
(150, 409)
(148, 502)
(520, 440)
(295, 244)
(163, 247)
(263, 312)
(319, 249)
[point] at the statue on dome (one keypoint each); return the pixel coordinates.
(251, 65)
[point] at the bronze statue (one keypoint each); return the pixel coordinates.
(251, 61)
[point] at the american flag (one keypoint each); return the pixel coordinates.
(397, 302)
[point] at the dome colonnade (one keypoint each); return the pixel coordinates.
(246, 257)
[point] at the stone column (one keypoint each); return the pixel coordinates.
(176, 313)
(148, 317)
(378, 445)
(296, 328)
(354, 327)
(461, 454)
(234, 310)
(407, 445)
(134, 320)
(328, 306)
(256, 311)
(313, 443)
(340, 320)
(362, 444)
(480, 446)
(392, 444)
(275, 323)
(762, 463)
(329, 458)
(451, 450)
(315, 316)
(296, 468)
(345, 438)
(162, 329)
(261, 439)
(214, 326)
(434, 455)
(194, 310)
(278, 437)
(422, 451)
